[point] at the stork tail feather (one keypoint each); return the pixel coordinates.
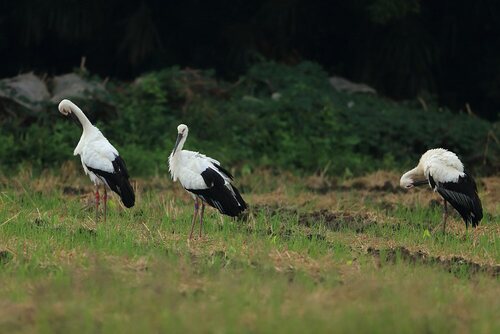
(118, 181)
(228, 201)
(127, 193)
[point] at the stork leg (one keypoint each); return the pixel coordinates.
(196, 206)
(105, 198)
(201, 217)
(96, 203)
(445, 215)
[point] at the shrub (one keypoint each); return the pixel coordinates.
(278, 116)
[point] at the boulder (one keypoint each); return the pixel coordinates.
(71, 85)
(27, 90)
(344, 85)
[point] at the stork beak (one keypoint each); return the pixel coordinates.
(73, 118)
(179, 137)
(420, 183)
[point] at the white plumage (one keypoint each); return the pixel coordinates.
(445, 174)
(96, 152)
(442, 164)
(100, 160)
(187, 166)
(205, 179)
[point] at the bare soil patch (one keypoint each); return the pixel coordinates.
(453, 264)
(334, 221)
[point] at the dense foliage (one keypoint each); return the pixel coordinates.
(278, 116)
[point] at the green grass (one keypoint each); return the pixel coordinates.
(60, 272)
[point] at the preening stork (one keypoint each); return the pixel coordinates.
(100, 160)
(445, 173)
(205, 180)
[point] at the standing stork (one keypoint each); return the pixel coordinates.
(204, 179)
(445, 173)
(100, 160)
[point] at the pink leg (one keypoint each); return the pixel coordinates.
(96, 203)
(445, 215)
(196, 206)
(201, 217)
(105, 198)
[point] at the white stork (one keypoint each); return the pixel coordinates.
(204, 179)
(100, 160)
(445, 173)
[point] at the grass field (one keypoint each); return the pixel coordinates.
(312, 255)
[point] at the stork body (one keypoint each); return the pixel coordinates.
(445, 174)
(205, 179)
(100, 160)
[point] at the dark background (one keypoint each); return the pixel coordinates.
(442, 51)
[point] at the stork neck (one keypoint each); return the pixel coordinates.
(416, 172)
(84, 121)
(181, 143)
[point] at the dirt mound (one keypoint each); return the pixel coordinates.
(337, 220)
(334, 221)
(69, 190)
(380, 181)
(455, 264)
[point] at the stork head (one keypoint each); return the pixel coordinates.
(406, 181)
(182, 132)
(65, 107)
(413, 178)
(182, 129)
(68, 108)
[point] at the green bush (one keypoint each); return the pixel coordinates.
(278, 116)
(387, 129)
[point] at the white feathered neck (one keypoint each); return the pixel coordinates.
(89, 133)
(175, 158)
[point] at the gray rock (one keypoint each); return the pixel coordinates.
(27, 90)
(72, 85)
(344, 85)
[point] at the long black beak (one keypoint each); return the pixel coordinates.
(420, 183)
(74, 118)
(179, 137)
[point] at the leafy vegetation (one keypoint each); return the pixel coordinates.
(277, 116)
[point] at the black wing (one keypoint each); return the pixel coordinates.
(462, 195)
(223, 170)
(225, 198)
(118, 181)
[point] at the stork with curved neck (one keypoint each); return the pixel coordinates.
(100, 160)
(445, 174)
(205, 179)
(67, 107)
